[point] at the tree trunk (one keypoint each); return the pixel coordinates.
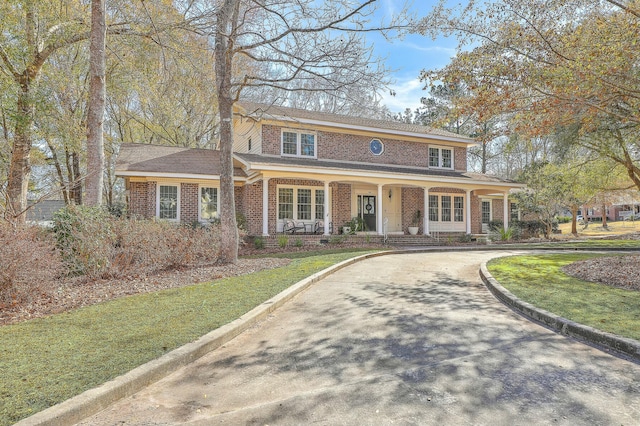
(574, 213)
(604, 215)
(20, 167)
(95, 114)
(77, 182)
(226, 18)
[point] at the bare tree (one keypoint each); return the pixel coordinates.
(289, 46)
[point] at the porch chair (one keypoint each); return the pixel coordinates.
(319, 227)
(291, 227)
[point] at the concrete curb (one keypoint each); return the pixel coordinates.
(600, 339)
(97, 399)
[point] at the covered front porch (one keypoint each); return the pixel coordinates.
(328, 204)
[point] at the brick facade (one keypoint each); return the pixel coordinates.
(142, 199)
(251, 207)
(349, 147)
(341, 209)
(248, 198)
(189, 202)
(412, 201)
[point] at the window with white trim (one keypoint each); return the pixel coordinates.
(440, 157)
(168, 202)
(298, 143)
(434, 208)
(446, 208)
(486, 211)
(209, 204)
(300, 203)
(458, 209)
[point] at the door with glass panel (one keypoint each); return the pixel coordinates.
(367, 211)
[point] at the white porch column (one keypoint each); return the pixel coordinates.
(379, 211)
(425, 212)
(326, 208)
(265, 207)
(506, 210)
(468, 213)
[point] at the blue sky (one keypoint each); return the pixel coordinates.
(407, 57)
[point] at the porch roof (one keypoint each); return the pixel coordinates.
(136, 159)
(255, 163)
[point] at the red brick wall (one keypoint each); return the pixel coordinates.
(252, 207)
(341, 209)
(497, 207)
(342, 146)
(412, 201)
(142, 199)
(476, 217)
(188, 202)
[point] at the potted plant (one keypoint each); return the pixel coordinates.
(415, 223)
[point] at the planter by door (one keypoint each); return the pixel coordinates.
(413, 230)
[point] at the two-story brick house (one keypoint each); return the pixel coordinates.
(320, 170)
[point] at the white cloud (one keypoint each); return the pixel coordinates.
(407, 95)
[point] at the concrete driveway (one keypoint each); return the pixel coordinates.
(412, 339)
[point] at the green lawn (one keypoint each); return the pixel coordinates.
(538, 280)
(46, 361)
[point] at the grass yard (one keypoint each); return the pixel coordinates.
(538, 280)
(48, 360)
(595, 229)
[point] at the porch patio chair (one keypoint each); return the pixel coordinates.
(291, 227)
(319, 227)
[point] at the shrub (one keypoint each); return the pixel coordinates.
(465, 238)
(283, 240)
(95, 244)
(258, 242)
(85, 238)
(505, 234)
(528, 228)
(30, 263)
(336, 239)
(157, 245)
(299, 242)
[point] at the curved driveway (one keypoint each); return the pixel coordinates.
(412, 339)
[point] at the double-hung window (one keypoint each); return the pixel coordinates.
(168, 202)
(301, 203)
(446, 208)
(440, 157)
(209, 204)
(298, 143)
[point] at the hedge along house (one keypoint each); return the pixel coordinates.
(319, 171)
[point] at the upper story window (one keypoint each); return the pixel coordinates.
(299, 143)
(441, 157)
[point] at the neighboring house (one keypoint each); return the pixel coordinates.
(320, 170)
(42, 211)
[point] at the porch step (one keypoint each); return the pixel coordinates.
(412, 240)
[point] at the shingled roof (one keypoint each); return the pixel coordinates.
(259, 161)
(137, 159)
(273, 112)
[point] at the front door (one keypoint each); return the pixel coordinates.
(367, 210)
